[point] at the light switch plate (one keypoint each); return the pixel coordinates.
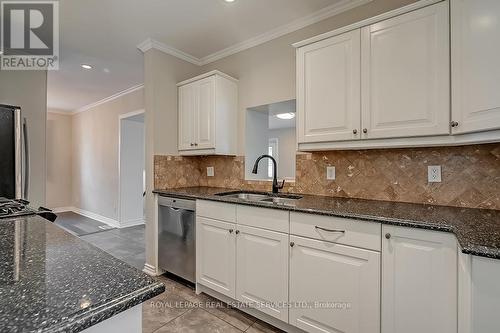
(434, 173)
(210, 171)
(330, 173)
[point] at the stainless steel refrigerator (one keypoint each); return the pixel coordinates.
(14, 155)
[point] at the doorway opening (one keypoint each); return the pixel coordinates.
(132, 173)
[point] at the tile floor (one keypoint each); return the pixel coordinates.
(178, 309)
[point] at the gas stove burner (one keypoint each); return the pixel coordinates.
(13, 208)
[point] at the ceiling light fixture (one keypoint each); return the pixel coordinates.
(86, 66)
(229, 0)
(286, 116)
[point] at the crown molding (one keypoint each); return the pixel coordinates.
(150, 43)
(298, 24)
(371, 20)
(108, 99)
(59, 112)
(327, 12)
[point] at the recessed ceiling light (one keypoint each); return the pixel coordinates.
(286, 116)
(229, 0)
(86, 66)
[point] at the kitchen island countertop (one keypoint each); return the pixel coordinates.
(52, 281)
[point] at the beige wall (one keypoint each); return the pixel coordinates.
(59, 159)
(28, 89)
(95, 154)
(266, 72)
(162, 72)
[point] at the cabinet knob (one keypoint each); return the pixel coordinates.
(231, 231)
(388, 236)
(192, 144)
(237, 232)
(196, 144)
(354, 131)
(292, 244)
(454, 124)
(365, 130)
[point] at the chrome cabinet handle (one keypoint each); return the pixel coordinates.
(454, 124)
(330, 230)
(365, 130)
(388, 236)
(231, 231)
(354, 131)
(292, 244)
(237, 232)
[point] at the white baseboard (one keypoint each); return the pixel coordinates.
(63, 209)
(106, 220)
(152, 270)
(132, 223)
(109, 221)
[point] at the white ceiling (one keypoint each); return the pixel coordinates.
(105, 33)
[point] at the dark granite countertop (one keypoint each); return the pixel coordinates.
(477, 230)
(51, 281)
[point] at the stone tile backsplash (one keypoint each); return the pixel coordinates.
(471, 174)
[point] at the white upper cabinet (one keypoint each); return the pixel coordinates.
(328, 96)
(405, 75)
(475, 65)
(419, 281)
(386, 82)
(205, 118)
(187, 112)
(208, 109)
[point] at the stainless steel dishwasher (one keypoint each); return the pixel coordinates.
(177, 237)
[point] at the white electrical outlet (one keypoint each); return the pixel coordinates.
(210, 171)
(330, 173)
(434, 173)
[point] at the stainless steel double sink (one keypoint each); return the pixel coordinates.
(263, 197)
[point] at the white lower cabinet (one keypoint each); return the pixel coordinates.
(215, 255)
(262, 270)
(334, 288)
(331, 273)
(419, 281)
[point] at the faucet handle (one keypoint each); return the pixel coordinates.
(280, 186)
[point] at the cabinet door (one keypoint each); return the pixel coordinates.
(475, 65)
(419, 281)
(205, 120)
(328, 89)
(215, 255)
(262, 270)
(187, 114)
(405, 75)
(334, 288)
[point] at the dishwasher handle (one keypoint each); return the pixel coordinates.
(177, 203)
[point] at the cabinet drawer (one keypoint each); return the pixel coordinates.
(339, 230)
(216, 210)
(265, 218)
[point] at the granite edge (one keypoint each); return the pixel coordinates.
(82, 321)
